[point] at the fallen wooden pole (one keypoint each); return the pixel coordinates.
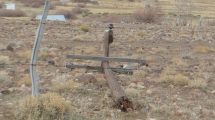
(118, 93)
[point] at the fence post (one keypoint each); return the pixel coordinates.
(39, 34)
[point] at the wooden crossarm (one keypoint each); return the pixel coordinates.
(97, 58)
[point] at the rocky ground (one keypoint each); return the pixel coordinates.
(178, 83)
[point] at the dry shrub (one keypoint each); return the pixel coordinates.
(12, 13)
(81, 5)
(139, 74)
(79, 10)
(64, 86)
(3, 77)
(198, 83)
(71, 14)
(171, 77)
(178, 62)
(33, 3)
(86, 1)
(4, 60)
(1, 5)
(81, 1)
(203, 49)
(49, 106)
(25, 80)
(84, 28)
(68, 14)
(112, 19)
(57, 3)
(211, 23)
(147, 15)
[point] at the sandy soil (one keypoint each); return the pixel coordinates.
(168, 49)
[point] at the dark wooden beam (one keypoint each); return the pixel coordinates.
(118, 93)
(117, 59)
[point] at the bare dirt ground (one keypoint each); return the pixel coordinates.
(178, 84)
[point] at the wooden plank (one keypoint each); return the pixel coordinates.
(117, 59)
(99, 68)
(39, 34)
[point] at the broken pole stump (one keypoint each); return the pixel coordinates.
(119, 96)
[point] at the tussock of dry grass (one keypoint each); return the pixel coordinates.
(85, 28)
(24, 55)
(139, 74)
(1, 5)
(33, 3)
(198, 83)
(12, 13)
(49, 106)
(3, 77)
(25, 80)
(4, 60)
(178, 62)
(172, 77)
(147, 15)
(68, 14)
(64, 86)
(203, 49)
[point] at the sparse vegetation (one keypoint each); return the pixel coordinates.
(25, 80)
(68, 14)
(171, 77)
(81, 1)
(12, 13)
(49, 106)
(84, 28)
(177, 83)
(66, 86)
(203, 49)
(3, 77)
(1, 5)
(198, 83)
(147, 15)
(81, 5)
(4, 60)
(33, 3)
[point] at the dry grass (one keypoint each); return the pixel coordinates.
(84, 28)
(4, 60)
(171, 77)
(81, 1)
(12, 13)
(203, 49)
(139, 74)
(3, 77)
(198, 83)
(1, 5)
(147, 15)
(81, 5)
(24, 55)
(32, 3)
(178, 62)
(46, 54)
(25, 80)
(68, 14)
(66, 86)
(49, 106)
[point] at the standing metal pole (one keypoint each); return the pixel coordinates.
(39, 34)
